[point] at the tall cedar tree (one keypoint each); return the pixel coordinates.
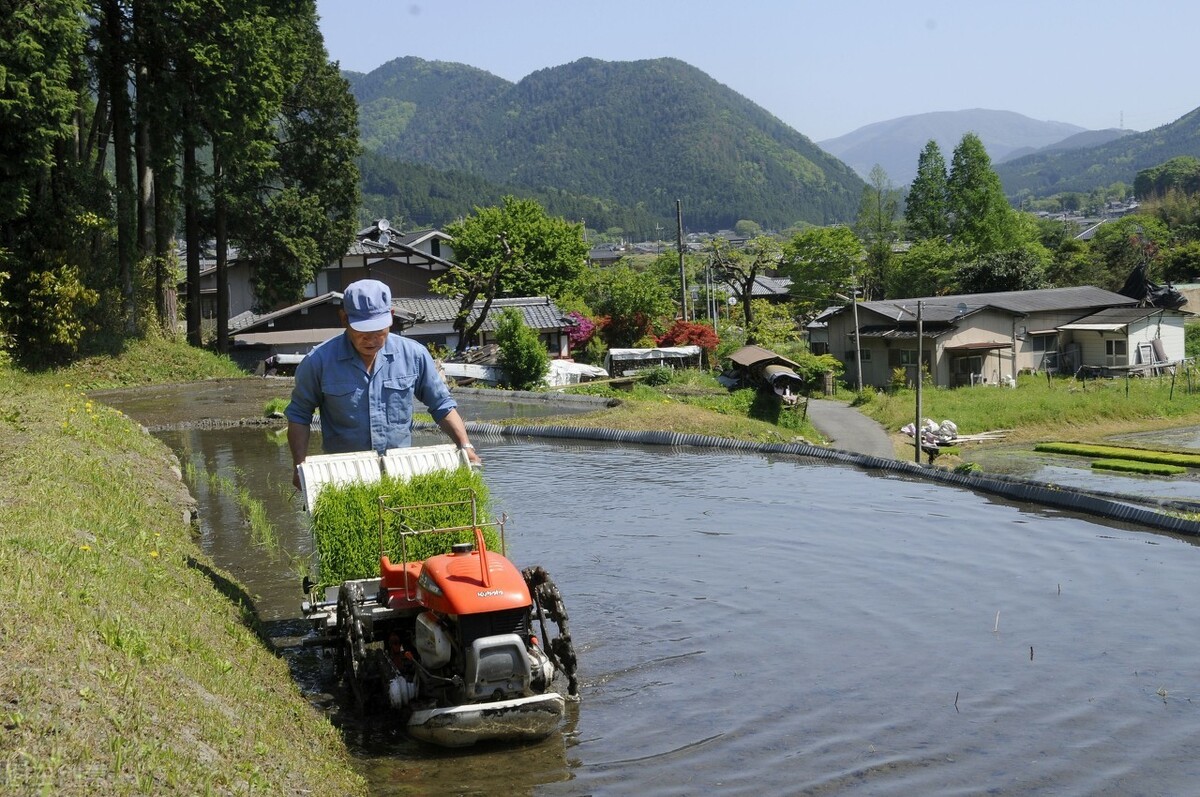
(926, 206)
(982, 221)
(48, 202)
(878, 228)
(304, 216)
(102, 101)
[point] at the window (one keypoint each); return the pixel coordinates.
(865, 354)
(1043, 343)
(908, 356)
(1116, 352)
(968, 365)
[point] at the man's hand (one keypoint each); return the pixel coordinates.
(472, 456)
(297, 435)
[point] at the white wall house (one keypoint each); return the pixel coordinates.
(989, 338)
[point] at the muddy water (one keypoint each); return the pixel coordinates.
(1076, 472)
(756, 626)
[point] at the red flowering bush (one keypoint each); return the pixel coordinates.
(582, 331)
(689, 333)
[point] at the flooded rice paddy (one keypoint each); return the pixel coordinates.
(757, 626)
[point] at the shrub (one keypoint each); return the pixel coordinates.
(657, 375)
(521, 352)
(582, 331)
(689, 333)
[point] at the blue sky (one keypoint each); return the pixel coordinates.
(824, 68)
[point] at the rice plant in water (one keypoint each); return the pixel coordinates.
(346, 521)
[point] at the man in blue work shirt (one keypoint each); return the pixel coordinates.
(364, 381)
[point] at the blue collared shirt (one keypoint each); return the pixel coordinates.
(361, 411)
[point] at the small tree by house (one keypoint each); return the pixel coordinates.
(522, 354)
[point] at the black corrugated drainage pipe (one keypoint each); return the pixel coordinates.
(1153, 513)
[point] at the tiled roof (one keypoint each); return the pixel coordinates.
(946, 308)
(1121, 315)
(538, 312)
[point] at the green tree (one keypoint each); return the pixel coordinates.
(512, 250)
(773, 326)
(47, 197)
(1179, 174)
(741, 268)
(822, 262)
(980, 217)
(522, 354)
(747, 228)
(878, 228)
(39, 50)
(628, 302)
(1120, 246)
(926, 209)
(1179, 210)
(307, 204)
(994, 272)
(1182, 263)
(926, 269)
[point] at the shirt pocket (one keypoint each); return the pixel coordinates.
(341, 402)
(398, 398)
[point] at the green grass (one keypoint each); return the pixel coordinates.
(153, 361)
(684, 404)
(346, 521)
(1131, 466)
(130, 663)
(1041, 409)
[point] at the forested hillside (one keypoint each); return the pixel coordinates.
(415, 196)
(1082, 170)
(638, 135)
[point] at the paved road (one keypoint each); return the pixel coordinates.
(848, 429)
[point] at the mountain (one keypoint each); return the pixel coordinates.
(1088, 138)
(639, 134)
(1082, 170)
(896, 144)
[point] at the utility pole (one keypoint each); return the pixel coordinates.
(857, 340)
(679, 241)
(920, 379)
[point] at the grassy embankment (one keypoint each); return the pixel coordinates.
(128, 663)
(1037, 410)
(693, 402)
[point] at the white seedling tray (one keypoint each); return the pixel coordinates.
(368, 467)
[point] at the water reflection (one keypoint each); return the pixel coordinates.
(749, 625)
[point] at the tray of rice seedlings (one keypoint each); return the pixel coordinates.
(354, 523)
(1133, 466)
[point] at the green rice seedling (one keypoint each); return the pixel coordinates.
(262, 531)
(347, 521)
(275, 407)
(1120, 452)
(1129, 466)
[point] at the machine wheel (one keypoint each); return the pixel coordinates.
(548, 603)
(353, 654)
